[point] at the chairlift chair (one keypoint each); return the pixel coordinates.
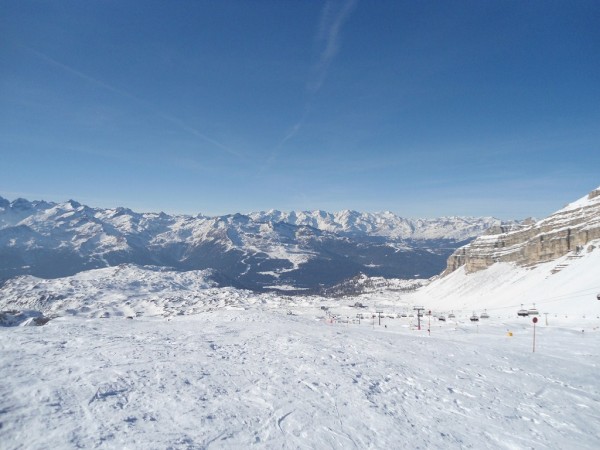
(451, 315)
(441, 318)
(522, 312)
(474, 317)
(533, 311)
(485, 315)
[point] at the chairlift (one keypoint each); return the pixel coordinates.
(522, 312)
(474, 317)
(485, 315)
(451, 315)
(441, 318)
(598, 296)
(533, 311)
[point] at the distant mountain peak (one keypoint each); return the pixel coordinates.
(298, 248)
(73, 204)
(21, 204)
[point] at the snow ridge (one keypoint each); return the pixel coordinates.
(384, 224)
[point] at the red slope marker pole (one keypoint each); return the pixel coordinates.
(534, 322)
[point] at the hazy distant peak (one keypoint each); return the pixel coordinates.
(255, 249)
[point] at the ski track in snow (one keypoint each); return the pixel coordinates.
(260, 378)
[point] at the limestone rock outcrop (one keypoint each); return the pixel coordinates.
(567, 230)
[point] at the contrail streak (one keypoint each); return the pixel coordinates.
(169, 118)
(330, 26)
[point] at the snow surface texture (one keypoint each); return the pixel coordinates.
(265, 379)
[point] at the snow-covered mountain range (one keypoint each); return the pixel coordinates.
(259, 250)
(383, 225)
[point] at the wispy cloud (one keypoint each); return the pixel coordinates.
(293, 131)
(328, 37)
(333, 17)
(167, 117)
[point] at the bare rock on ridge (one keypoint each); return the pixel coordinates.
(567, 230)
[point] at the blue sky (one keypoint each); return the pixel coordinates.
(421, 108)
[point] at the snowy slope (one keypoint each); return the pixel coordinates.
(567, 285)
(263, 379)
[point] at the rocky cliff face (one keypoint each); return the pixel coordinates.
(567, 230)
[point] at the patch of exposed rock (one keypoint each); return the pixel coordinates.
(569, 230)
(13, 318)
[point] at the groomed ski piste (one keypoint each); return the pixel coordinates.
(202, 367)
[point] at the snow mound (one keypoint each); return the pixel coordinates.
(125, 290)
